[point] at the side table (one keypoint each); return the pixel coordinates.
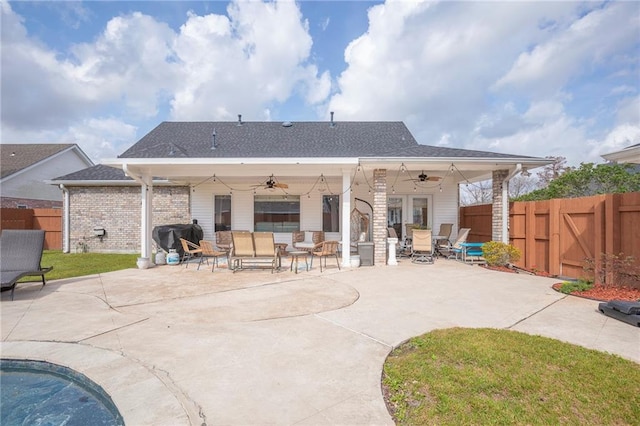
(295, 257)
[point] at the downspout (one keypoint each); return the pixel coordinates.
(505, 202)
(66, 220)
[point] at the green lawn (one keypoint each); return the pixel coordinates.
(78, 264)
(486, 376)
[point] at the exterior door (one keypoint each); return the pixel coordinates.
(421, 210)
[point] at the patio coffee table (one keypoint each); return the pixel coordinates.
(295, 256)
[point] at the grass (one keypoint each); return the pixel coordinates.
(78, 264)
(486, 376)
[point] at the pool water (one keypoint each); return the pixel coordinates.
(45, 394)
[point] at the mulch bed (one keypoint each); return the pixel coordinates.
(603, 294)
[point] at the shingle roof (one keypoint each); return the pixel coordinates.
(444, 152)
(16, 157)
(270, 139)
(99, 173)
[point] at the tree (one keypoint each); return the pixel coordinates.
(521, 185)
(587, 180)
(476, 193)
(552, 171)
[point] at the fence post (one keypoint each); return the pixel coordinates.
(530, 234)
(554, 261)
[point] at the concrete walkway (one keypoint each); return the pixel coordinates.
(177, 346)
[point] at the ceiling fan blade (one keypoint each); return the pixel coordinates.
(434, 178)
(281, 185)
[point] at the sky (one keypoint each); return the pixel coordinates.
(535, 78)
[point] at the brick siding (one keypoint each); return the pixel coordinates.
(498, 177)
(380, 216)
(117, 210)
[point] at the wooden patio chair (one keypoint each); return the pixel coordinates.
(20, 256)
(208, 251)
(306, 240)
(223, 240)
(323, 250)
(422, 247)
(190, 249)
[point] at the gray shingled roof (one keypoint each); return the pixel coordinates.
(271, 139)
(301, 139)
(444, 152)
(16, 157)
(99, 172)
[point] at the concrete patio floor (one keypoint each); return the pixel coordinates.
(177, 346)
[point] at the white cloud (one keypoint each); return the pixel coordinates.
(255, 57)
(137, 67)
(473, 75)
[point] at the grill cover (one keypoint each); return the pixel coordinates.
(168, 236)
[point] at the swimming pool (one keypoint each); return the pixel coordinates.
(37, 392)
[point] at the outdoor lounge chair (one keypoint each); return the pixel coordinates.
(20, 256)
(208, 250)
(323, 250)
(242, 248)
(401, 250)
(191, 250)
(422, 247)
(454, 250)
(445, 232)
(266, 249)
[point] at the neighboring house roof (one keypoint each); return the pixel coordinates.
(17, 157)
(298, 140)
(630, 154)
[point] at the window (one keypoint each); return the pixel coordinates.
(331, 213)
(276, 213)
(222, 208)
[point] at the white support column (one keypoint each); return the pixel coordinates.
(346, 218)
(146, 219)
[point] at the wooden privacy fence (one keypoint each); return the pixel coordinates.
(49, 220)
(556, 236)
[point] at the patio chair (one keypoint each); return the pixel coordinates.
(20, 254)
(445, 231)
(208, 251)
(265, 248)
(422, 247)
(223, 240)
(306, 240)
(242, 248)
(454, 250)
(190, 249)
(323, 250)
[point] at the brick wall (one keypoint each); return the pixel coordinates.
(117, 210)
(380, 216)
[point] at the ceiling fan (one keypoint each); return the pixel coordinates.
(272, 183)
(423, 177)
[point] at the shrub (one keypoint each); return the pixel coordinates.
(569, 287)
(614, 270)
(500, 254)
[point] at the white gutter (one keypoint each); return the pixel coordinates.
(66, 220)
(505, 202)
